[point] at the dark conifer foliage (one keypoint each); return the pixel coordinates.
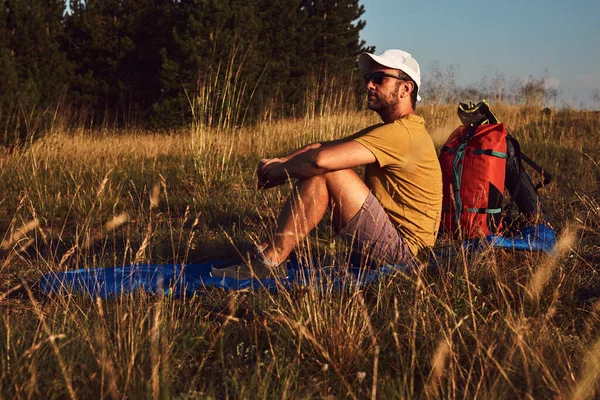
(156, 61)
(31, 34)
(335, 31)
(34, 72)
(114, 45)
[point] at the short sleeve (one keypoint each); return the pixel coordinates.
(389, 143)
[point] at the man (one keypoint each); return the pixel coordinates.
(394, 214)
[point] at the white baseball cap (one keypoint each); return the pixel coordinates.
(396, 59)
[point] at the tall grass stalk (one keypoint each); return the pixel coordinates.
(497, 323)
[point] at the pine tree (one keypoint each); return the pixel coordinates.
(212, 43)
(334, 28)
(115, 45)
(283, 47)
(8, 68)
(190, 40)
(98, 46)
(34, 71)
(31, 50)
(162, 59)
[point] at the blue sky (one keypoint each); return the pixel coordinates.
(557, 39)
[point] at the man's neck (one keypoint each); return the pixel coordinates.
(396, 113)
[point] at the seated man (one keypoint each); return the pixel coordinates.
(394, 214)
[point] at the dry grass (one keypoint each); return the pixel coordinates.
(496, 324)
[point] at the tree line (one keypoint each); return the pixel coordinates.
(168, 62)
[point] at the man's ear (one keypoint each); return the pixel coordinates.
(407, 88)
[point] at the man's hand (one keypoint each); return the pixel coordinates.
(270, 173)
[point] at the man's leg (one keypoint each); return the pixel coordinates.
(308, 204)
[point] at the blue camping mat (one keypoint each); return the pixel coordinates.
(178, 279)
(540, 237)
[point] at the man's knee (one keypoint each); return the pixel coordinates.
(313, 188)
(345, 180)
(315, 183)
(332, 180)
(341, 174)
(334, 186)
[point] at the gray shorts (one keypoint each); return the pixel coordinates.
(373, 234)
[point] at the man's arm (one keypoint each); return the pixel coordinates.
(313, 146)
(312, 160)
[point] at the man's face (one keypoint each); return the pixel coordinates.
(384, 96)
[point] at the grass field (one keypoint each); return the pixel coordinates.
(497, 324)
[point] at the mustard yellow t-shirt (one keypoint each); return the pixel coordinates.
(406, 179)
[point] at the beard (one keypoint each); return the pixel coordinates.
(379, 102)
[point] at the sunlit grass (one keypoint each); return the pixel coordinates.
(496, 324)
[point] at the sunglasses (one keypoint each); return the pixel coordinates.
(377, 77)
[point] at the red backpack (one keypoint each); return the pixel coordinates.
(475, 172)
(473, 162)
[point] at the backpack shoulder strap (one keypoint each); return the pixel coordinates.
(546, 176)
